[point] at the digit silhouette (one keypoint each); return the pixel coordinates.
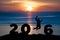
(48, 30)
(13, 30)
(38, 26)
(28, 28)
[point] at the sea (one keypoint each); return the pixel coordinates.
(20, 18)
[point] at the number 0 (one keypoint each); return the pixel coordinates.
(23, 27)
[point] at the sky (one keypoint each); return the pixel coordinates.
(37, 5)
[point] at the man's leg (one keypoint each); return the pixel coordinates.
(37, 28)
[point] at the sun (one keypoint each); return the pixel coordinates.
(29, 8)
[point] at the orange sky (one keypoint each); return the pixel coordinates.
(19, 5)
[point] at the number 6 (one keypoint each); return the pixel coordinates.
(48, 30)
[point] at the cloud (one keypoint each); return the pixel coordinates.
(48, 8)
(17, 5)
(47, 0)
(11, 5)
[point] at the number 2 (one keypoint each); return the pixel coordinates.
(15, 27)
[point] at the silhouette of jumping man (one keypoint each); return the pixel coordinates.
(38, 26)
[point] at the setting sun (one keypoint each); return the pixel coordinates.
(29, 8)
